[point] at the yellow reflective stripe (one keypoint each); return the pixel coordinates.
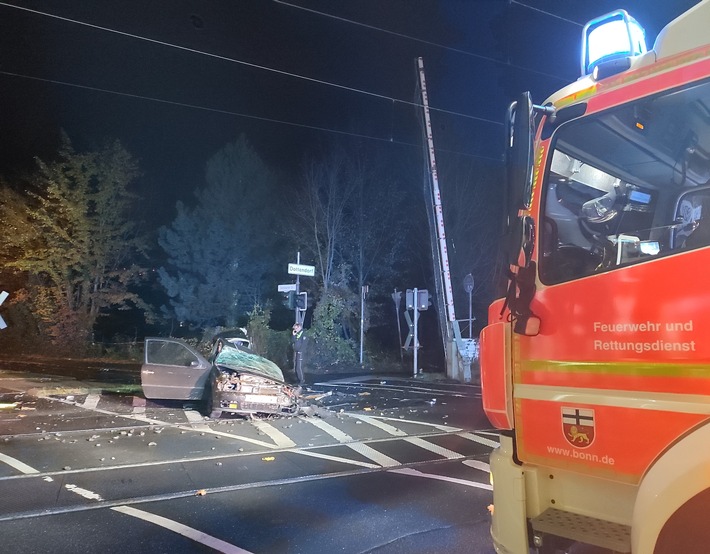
(645, 369)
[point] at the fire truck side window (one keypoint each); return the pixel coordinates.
(627, 186)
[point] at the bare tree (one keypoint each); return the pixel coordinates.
(470, 193)
(321, 215)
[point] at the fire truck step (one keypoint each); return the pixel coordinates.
(590, 530)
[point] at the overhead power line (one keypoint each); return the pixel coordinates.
(546, 13)
(239, 114)
(422, 41)
(244, 63)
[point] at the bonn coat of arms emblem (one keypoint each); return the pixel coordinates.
(578, 426)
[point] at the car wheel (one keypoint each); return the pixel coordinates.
(210, 410)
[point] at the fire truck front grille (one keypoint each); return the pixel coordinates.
(590, 530)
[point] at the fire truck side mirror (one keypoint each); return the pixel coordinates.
(520, 126)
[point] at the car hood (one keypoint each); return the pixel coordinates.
(239, 360)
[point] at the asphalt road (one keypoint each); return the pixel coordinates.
(373, 465)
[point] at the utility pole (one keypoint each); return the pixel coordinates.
(445, 295)
(299, 316)
(363, 292)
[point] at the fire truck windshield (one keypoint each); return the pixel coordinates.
(627, 185)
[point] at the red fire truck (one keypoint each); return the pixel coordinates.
(595, 367)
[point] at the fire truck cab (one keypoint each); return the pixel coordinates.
(596, 366)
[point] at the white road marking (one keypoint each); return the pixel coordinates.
(360, 448)
(386, 427)
(478, 464)
(446, 428)
(481, 440)
(89, 495)
(91, 401)
(184, 530)
(17, 464)
(416, 473)
(336, 459)
(281, 440)
(374, 455)
(334, 432)
(489, 433)
(436, 449)
(151, 421)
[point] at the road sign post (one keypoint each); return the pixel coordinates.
(3, 297)
(299, 269)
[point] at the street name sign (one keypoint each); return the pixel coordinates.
(300, 269)
(287, 287)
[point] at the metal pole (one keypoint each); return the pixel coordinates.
(416, 337)
(299, 319)
(470, 316)
(362, 320)
(399, 325)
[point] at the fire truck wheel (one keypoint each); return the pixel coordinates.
(687, 530)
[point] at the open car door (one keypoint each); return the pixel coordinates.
(173, 370)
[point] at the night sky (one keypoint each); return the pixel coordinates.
(176, 80)
(478, 55)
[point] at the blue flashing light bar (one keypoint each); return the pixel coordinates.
(610, 37)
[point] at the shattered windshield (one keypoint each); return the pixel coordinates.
(236, 359)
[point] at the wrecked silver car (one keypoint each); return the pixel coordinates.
(236, 380)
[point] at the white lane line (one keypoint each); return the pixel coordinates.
(489, 433)
(334, 432)
(386, 427)
(184, 530)
(416, 473)
(91, 401)
(336, 459)
(446, 428)
(480, 440)
(477, 464)
(84, 493)
(158, 422)
(17, 464)
(435, 448)
(343, 438)
(374, 455)
(281, 440)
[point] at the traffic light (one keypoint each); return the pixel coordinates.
(424, 300)
(295, 301)
(409, 299)
(290, 301)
